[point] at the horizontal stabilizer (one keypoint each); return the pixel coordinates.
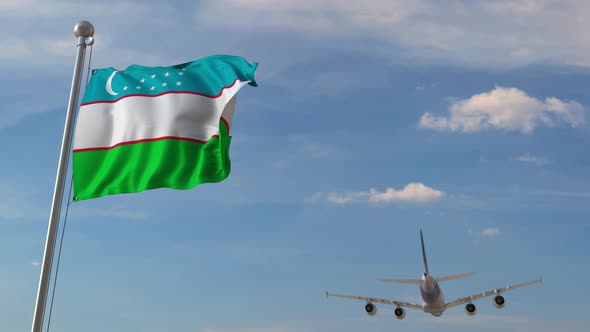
(403, 281)
(456, 276)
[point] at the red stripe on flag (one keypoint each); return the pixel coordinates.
(146, 140)
(226, 124)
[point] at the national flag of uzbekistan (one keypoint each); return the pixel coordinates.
(153, 127)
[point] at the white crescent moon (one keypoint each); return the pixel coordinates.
(108, 86)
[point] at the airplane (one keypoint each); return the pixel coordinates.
(433, 300)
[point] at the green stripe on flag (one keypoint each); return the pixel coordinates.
(175, 164)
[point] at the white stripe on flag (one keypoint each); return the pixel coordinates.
(136, 118)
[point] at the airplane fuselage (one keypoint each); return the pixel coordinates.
(433, 300)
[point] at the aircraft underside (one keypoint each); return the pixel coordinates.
(433, 299)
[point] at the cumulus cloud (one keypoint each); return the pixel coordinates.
(509, 109)
(412, 192)
(528, 158)
(490, 232)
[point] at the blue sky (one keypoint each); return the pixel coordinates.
(371, 119)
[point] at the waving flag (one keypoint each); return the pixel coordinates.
(153, 127)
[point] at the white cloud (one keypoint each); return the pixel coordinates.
(36, 264)
(514, 32)
(328, 16)
(52, 24)
(528, 158)
(412, 192)
(66, 8)
(490, 232)
(509, 109)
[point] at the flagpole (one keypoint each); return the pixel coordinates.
(85, 33)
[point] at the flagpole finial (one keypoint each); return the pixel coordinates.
(84, 29)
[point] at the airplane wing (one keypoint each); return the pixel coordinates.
(377, 300)
(488, 293)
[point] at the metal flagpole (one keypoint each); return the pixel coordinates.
(85, 33)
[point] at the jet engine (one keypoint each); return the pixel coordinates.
(399, 313)
(499, 301)
(371, 309)
(470, 309)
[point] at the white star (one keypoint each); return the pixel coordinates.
(138, 87)
(142, 80)
(164, 84)
(153, 88)
(179, 83)
(181, 73)
(167, 74)
(153, 76)
(125, 87)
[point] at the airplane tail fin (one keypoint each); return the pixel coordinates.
(424, 254)
(456, 276)
(426, 272)
(403, 281)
